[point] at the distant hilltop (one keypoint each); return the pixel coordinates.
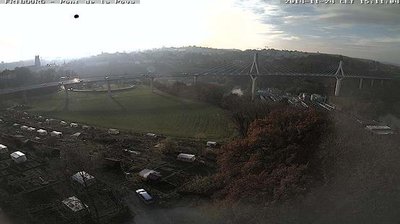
(173, 60)
(34, 64)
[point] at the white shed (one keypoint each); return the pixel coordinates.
(63, 123)
(31, 129)
(15, 125)
(211, 144)
(85, 127)
(49, 120)
(42, 132)
(24, 127)
(151, 135)
(73, 125)
(3, 149)
(76, 135)
(186, 157)
(18, 157)
(148, 174)
(56, 134)
(83, 178)
(112, 131)
(380, 129)
(74, 204)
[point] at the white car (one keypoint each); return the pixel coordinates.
(146, 197)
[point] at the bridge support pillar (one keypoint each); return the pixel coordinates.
(253, 86)
(339, 76)
(25, 96)
(66, 104)
(108, 87)
(152, 84)
(195, 79)
(254, 68)
(338, 86)
(66, 93)
(361, 83)
(372, 82)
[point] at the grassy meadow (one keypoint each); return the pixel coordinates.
(138, 110)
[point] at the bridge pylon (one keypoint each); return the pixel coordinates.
(25, 96)
(360, 84)
(66, 102)
(152, 83)
(108, 86)
(195, 77)
(339, 76)
(254, 69)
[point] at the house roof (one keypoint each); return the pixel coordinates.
(147, 172)
(17, 154)
(186, 156)
(74, 204)
(80, 175)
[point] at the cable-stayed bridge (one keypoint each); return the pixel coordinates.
(234, 68)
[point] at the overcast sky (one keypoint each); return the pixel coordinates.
(50, 30)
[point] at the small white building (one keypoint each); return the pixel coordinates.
(85, 127)
(131, 152)
(148, 174)
(3, 149)
(74, 204)
(63, 123)
(83, 178)
(24, 128)
(112, 131)
(42, 132)
(56, 134)
(31, 129)
(73, 125)
(49, 121)
(380, 129)
(151, 135)
(211, 144)
(18, 157)
(76, 135)
(15, 125)
(186, 157)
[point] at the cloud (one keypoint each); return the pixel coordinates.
(291, 38)
(360, 14)
(341, 29)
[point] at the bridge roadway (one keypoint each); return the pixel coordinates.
(115, 78)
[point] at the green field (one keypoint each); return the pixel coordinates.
(138, 110)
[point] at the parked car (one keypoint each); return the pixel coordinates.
(146, 197)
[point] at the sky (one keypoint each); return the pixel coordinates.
(364, 31)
